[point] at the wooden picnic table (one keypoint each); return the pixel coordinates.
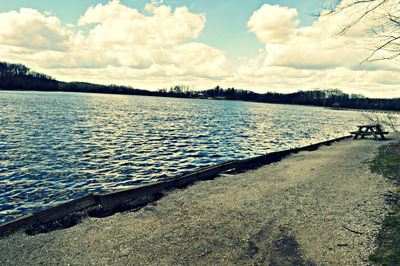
(366, 130)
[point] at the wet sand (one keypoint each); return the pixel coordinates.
(319, 207)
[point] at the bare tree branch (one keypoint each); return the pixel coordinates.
(385, 14)
(382, 47)
(363, 14)
(389, 121)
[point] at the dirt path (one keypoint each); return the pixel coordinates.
(319, 207)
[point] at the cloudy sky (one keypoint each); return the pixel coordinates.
(259, 45)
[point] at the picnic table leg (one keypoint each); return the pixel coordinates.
(380, 134)
(375, 136)
(379, 131)
(373, 133)
(363, 135)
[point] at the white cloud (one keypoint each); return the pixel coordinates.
(151, 44)
(156, 43)
(75, 58)
(315, 46)
(273, 24)
(119, 25)
(380, 83)
(316, 56)
(30, 29)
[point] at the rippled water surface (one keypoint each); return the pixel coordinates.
(59, 146)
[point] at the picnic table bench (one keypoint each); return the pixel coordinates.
(367, 130)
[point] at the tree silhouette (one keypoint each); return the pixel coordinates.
(20, 77)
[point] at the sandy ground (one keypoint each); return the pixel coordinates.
(312, 208)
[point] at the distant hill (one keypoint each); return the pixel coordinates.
(96, 88)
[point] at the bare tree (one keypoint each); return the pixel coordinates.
(389, 121)
(383, 17)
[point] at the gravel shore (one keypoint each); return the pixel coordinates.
(311, 208)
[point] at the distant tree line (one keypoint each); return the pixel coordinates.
(318, 97)
(19, 77)
(96, 88)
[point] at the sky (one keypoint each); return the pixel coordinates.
(259, 45)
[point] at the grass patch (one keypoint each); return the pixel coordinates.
(387, 163)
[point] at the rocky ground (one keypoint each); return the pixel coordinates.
(312, 208)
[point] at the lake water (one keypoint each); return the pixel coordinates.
(59, 146)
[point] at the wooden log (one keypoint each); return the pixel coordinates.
(64, 209)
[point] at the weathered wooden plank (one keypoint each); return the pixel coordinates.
(11, 226)
(65, 209)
